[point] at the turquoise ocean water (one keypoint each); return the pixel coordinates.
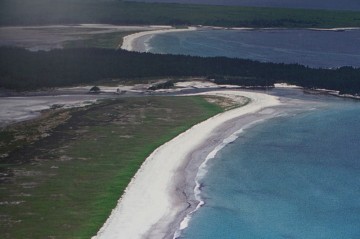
(296, 176)
(290, 177)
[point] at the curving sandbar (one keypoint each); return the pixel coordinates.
(129, 42)
(155, 201)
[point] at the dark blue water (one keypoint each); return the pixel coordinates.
(326, 49)
(290, 177)
(310, 4)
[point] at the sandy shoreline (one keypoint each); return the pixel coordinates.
(130, 41)
(161, 194)
(137, 41)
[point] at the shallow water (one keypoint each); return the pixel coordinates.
(291, 177)
(324, 49)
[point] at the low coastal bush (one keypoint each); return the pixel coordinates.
(65, 185)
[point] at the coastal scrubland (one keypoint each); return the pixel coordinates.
(106, 40)
(44, 12)
(23, 70)
(63, 180)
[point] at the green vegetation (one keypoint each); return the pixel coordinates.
(62, 174)
(162, 85)
(21, 134)
(42, 12)
(107, 40)
(21, 69)
(65, 185)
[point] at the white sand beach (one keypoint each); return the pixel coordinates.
(154, 203)
(129, 42)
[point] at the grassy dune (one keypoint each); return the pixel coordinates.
(65, 185)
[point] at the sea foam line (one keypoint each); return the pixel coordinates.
(147, 44)
(202, 171)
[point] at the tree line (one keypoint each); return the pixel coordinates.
(45, 12)
(21, 69)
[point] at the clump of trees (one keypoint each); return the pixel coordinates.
(22, 70)
(162, 85)
(94, 89)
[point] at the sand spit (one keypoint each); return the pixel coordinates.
(129, 42)
(154, 203)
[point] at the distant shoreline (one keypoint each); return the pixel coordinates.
(137, 42)
(130, 41)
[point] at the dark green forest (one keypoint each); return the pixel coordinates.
(21, 69)
(45, 12)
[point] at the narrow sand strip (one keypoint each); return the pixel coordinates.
(149, 204)
(129, 41)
